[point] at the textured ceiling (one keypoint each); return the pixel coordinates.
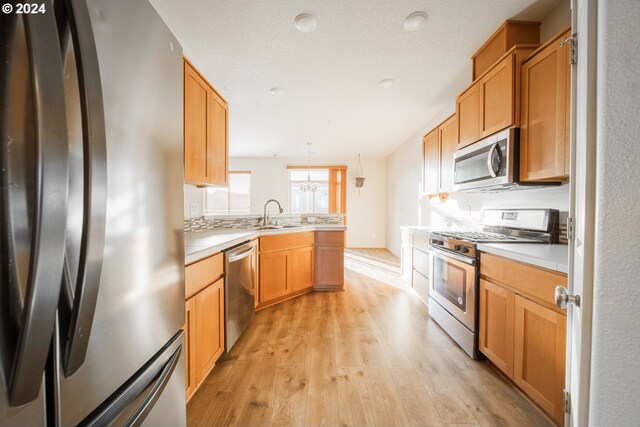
(330, 76)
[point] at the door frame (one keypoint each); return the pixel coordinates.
(582, 210)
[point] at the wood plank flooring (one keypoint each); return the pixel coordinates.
(368, 356)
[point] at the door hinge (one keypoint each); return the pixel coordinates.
(567, 401)
(571, 231)
(573, 49)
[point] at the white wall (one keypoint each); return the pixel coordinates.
(270, 180)
(615, 362)
(404, 169)
(557, 20)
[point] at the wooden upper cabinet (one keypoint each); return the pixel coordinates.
(496, 325)
(544, 132)
(430, 163)
(468, 114)
(196, 118)
(497, 109)
(205, 131)
(209, 328)
(539, 366)
(219, 140)
(492, 102)
(448, 133)
(509, 34)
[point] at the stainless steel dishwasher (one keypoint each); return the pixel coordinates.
(239, 308)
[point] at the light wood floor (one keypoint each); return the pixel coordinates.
(367, 356)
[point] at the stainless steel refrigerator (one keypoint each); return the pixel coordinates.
(91, 198)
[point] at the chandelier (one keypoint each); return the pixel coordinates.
(308, 186)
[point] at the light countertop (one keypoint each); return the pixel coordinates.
(552, 257)
(418, 229)
(201, 244)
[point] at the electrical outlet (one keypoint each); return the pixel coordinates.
(194, 209)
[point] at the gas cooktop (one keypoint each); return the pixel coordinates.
(478, 236)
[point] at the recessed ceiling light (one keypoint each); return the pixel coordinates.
(415, 21)
(305, 22)
(385, 83)
(277, 91)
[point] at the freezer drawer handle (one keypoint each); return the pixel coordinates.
(35, 328)
(154, 377)
(95, 186)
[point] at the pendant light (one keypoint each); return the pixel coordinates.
(359, 175)
(308, 186)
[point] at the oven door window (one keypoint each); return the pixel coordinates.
(450, 282)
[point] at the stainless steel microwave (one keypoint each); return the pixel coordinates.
(489, 165)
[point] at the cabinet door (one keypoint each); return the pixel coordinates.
(406, 264)
(468, 114)
(209, 323)
(274, 276)
(430, 163)
(302, 269)
(539, 354)
(497, 106)
(496, 325)
(219, 139)
(196, 133)
(544, 133)
(329, 267)
(448, 145)
(189, 347)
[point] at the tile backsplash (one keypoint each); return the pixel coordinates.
(210, 222)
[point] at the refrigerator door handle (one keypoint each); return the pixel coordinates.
(95, 186)
(50, 211)
(151, 379)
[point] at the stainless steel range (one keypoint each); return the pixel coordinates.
(455, 265)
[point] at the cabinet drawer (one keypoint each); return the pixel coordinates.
(530, 280)
(330, 238)
(202, 273)
(421, 241)
(421, 262)
(421, 286)
(285, 241)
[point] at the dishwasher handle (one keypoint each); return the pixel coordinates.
(233, 257)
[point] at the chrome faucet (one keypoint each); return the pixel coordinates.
(265, 218)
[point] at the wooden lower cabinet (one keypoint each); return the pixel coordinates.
(329, 265)
(522, 332)
(539, 354)
(286, 267)
(204, 334)
(496, 325)
(209, 325)
(274, 275)
(189, 347)
(302, 260)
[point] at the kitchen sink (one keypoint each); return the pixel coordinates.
(275, 227)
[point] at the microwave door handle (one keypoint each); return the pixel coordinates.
(492, 171)
(95, 185)
(50, 212)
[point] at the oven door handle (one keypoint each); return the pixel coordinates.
(466, 260)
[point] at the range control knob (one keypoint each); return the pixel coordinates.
(465, 250)
(456, 248)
